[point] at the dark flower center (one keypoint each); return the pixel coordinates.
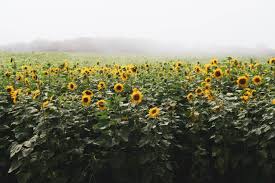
(88, 93)
(85, 100)
(101, 104)
(242, 81)
(136, 97)
(218, 73)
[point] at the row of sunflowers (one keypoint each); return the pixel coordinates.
(19, 80)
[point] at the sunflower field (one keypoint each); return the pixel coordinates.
(166, 121)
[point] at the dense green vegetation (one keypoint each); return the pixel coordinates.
(67, 118)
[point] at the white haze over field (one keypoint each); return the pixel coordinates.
(194, 24)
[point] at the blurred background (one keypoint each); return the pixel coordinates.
(140, 27)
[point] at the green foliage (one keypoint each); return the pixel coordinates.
(210, 138)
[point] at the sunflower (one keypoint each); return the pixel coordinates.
(134, 69)
(10, 89)
(190, 96)
(25, 67)
(124, 76)
(46, 73)
(197, 69)
(257, 80)
(245, 98)
(217, 73)
(242, 81)
(247, 93)
(208, 94)
(154, 112)
(7, 74)
(199, 91)
(272, 60)
(101, 104)
(27, 82)
(19, 77)
(207, 80)
(214, 61)
(88, 92)
(178, 64)
(118, 88)
(207, 67)
(101, 85)
(86, 100)
(71, 86)
(273, 101)
(251, 66)
(14, 95)
(207, 86)
(45, 104)
(136, 97)
(34, 77)
(35, 94)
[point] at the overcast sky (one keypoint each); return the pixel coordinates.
(247, 23)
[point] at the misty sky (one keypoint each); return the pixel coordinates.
(247, 23)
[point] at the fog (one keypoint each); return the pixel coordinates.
(139, 26)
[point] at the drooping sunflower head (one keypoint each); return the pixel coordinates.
(207, 67)
(136, 97)
(35, 94)
(45, 104)
(217, 73)
(154, 112)
(88, 92)
(86, 100)
(72, 86)
(14, 98)
(118, 87)
(242, 81)
(257, 80)
(101, 85)
(101, 104)
(124, 76)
